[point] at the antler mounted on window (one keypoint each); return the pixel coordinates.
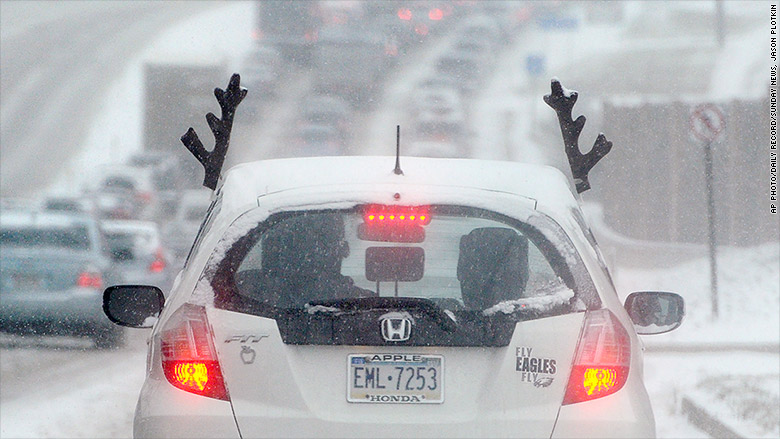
(563, 103)
(212, 161)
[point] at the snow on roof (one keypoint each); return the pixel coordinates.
(38, 219)
(129, 226)
(245, 182)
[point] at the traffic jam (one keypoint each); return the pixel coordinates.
(286, 272)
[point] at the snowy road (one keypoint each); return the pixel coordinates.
(669, 375)
(53, 388)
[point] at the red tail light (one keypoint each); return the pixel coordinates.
(89, 279)
(405, 14)
(158, 264)
(144, 197)
(189, 358)
(435, 14)
(602, 359)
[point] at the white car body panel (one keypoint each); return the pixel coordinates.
(484, 393)
(275, 395)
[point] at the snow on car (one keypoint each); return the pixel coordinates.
(345, 297)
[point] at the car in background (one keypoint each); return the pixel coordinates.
(114, 205)
(125, 191)
(362, 62)
(318, 140)
(464, 67)
(138, 253)
(261, 69)
(70, 203)
(432, 82)
(335, 296)
(443, 148)
(14, 203)
(439, 111)
(327, 110)
(484, 30)
(53, 269)
(179, 233)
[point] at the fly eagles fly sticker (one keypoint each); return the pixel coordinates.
(535, 370)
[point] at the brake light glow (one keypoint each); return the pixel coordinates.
(379, 215)
(88, 279)
(191, 375)
(435, 14)
(189, 358)
(405, 14)
(158, 264)
(144, 197)
(599, 380)
(602, 359)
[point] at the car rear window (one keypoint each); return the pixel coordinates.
(139, 240)
(457, 266)
(74, 237)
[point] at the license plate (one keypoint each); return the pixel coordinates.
(395, 378)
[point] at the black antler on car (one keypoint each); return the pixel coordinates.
(580, 163)
(212, 161)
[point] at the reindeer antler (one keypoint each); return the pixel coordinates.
(212, 161)
(580, 164)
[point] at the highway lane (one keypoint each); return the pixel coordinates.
(55, 73)
(61, 387)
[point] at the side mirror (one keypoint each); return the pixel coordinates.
(655, 312)
(133, 305)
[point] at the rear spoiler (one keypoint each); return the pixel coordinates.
(212, 161)
(562, 101)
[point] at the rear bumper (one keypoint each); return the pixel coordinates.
(615, 416)
(164, 411)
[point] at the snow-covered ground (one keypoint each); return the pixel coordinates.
(747, 297)
(95, 396)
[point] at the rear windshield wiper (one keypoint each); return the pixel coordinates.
(358, 304)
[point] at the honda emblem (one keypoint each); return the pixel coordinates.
(396, 328)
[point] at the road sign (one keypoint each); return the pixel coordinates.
(535, 64)
(707, 122)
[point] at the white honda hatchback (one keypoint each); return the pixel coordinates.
(342, 297)
(333, 297)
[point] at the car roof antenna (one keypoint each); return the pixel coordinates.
(562, 101)
(212, 161)
(397, 170)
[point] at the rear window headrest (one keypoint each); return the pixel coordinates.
(492, 266)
